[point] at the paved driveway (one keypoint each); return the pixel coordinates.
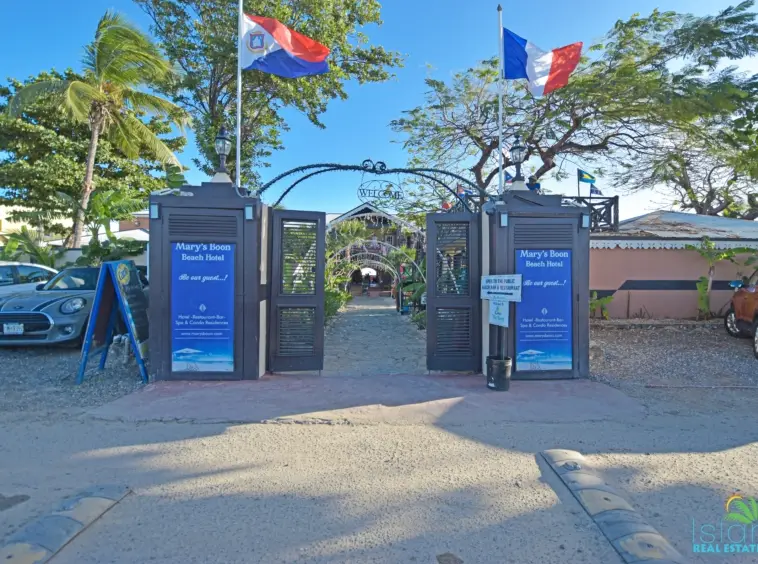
(381, 465)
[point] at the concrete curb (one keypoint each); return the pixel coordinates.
(633, 538)
(40, 540)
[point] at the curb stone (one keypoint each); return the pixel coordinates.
(41, 539)
(629, 533)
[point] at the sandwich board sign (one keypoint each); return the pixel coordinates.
(119, 295)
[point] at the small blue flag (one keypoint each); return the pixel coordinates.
(595, 190)
(508, 177)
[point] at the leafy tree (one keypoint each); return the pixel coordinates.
(200, 37)
(624, 91)
(708, 251)
(700, 172)
(44, 154)
(108, 98)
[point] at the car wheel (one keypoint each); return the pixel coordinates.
(730, 324)
(755, 338)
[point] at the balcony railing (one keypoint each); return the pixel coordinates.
(604, 211)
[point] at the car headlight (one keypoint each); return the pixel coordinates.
(73, 305)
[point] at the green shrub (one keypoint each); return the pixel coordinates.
(419, 319)
(334, 301)
(596, 303)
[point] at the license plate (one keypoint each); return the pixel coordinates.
(13, 328)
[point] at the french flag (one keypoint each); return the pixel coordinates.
(545, 71)
(269, 46)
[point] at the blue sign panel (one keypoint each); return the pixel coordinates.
(544, 326)
(202, 307)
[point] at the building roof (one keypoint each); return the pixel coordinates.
(675, 230)
(681, 225)
(333, 219)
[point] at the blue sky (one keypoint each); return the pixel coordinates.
(442, 34)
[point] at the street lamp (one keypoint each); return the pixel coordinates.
(518, 156)
(223, 146)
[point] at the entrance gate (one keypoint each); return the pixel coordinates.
(296, 340)
(296, 312)
(453, 307)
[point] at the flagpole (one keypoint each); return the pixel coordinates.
(501, 57)
(238, 174)
(578, 193)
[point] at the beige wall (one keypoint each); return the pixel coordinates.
(610, 269)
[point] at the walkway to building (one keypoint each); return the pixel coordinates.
(372, 338)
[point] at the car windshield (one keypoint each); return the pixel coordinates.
(74, 279)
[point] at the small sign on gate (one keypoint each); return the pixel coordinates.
(499, 312)
(502, 287)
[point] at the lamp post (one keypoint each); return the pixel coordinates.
(518, 156)
(223, 146)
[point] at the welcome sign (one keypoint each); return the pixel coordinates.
(202, 307)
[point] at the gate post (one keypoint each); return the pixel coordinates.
(548, 244)
(484, 230)
(205, 261)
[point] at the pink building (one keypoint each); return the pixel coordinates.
(649, 271)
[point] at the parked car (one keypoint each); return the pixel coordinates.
(741, 320)
(55, 312)
(22, 276)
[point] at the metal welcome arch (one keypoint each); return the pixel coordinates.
(379, 168)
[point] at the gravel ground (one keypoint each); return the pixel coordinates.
(631, 357)
(40, 382)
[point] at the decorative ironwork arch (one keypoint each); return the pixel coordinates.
(379, 168)
(362, 249)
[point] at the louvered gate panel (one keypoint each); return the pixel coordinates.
(297, 300)
(453, 308)
(198, 226)
(536, 234)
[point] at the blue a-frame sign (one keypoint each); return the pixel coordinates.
(119, 293)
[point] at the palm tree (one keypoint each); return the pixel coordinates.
(119, 62)
(28, 242)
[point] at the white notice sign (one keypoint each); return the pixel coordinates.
(502, 286)
(499, 310)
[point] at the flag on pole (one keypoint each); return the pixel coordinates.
(508, 177)
(594, 190)
(269, 46)
(583, 176)
(545, 70)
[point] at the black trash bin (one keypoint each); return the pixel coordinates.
(498, 373)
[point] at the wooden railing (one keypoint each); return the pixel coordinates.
(604, 211)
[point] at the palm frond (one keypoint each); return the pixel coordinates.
(142, 101)
(79, 97)
(33, 92)
(123, 55)
(129, 133)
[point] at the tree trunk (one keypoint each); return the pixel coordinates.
(76, 240)
(711, 274)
